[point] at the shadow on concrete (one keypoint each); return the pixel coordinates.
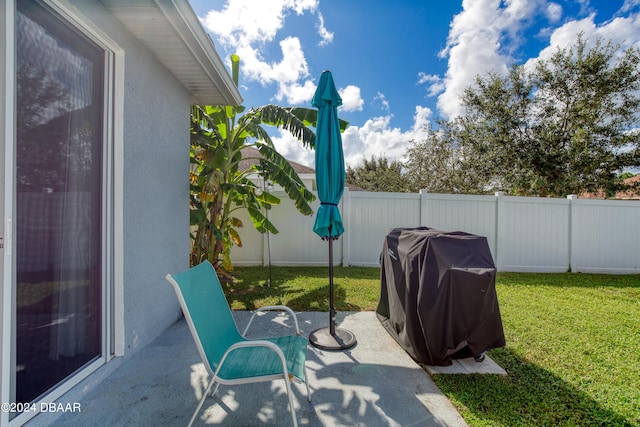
(373, 383)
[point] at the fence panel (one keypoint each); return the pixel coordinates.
(251, 252)
(605, 236)
(370, 217)
(533, 234)
(297, 244)
(524, 233)
(294, 244)
(471, 214)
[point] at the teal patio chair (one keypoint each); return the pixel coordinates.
(228, 356)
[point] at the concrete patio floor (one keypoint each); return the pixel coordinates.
(374, 383)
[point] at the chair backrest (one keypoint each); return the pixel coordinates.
(207, 312)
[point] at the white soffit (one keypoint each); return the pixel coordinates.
(171, 30)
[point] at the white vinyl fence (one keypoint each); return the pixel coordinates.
(524, 233)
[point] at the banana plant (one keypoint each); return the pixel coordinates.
(220, 186)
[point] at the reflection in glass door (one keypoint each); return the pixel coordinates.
(59, 111)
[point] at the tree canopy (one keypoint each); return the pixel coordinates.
(567, 125)
(378, 174)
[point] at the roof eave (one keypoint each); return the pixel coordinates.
(173, 31)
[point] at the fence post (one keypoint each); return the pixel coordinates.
(572, 198)
(423, 207)
(499, 199)
(346, 220)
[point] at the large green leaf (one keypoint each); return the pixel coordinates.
(235, 237)
(261, 222)
(197, 216)
(216, 159)
(250, 125)
(266, 198)
(283, 118)
(309, 116)
(278, 169)
(211, 121)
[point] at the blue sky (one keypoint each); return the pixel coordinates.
(398, 65)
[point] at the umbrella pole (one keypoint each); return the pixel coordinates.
(332, 338)
(332, 309)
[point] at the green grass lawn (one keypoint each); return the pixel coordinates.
(573, 342)
(305, 288)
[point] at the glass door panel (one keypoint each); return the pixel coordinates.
(59, 111)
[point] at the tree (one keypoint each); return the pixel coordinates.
(44, 106)
(377, 175)
(220, 187)
(436, 163)
(568, 125)
(626, 175)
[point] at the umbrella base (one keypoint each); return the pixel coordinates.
(341, 339)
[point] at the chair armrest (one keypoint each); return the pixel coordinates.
(273, 308)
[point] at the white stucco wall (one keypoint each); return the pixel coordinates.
(155, 187)
(156, 196)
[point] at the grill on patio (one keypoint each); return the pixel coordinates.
(438, 297)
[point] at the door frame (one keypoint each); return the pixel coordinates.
(112, 340)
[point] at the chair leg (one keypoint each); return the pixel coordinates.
(290, 396)
(215, 390)
(306, 382)
(204, 396)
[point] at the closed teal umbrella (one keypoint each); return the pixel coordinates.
(329, 158)
(330, 181)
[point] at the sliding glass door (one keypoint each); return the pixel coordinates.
(60, 80)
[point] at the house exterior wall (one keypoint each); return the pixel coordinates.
(156, 195)
(152, 198)
(147, 197)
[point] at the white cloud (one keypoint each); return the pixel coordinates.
(421, 119)
(585, 7)
(243, 22)
(383, 101)
(474, 47)
(291, 73)
(628, 5)
(296, 93)
(351, 99)
(292, 149)
(375, 137)
(554, 12)
(484, 35)
(326, 36)
(245, 26)
(624, 31)
(435, 83)
(293, 64)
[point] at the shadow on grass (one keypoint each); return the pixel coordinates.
(529, 395)
(298, 288)
(320, 298)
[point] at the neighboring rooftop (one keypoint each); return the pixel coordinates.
(622, 195)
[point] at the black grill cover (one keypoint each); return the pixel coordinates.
(437, 294)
